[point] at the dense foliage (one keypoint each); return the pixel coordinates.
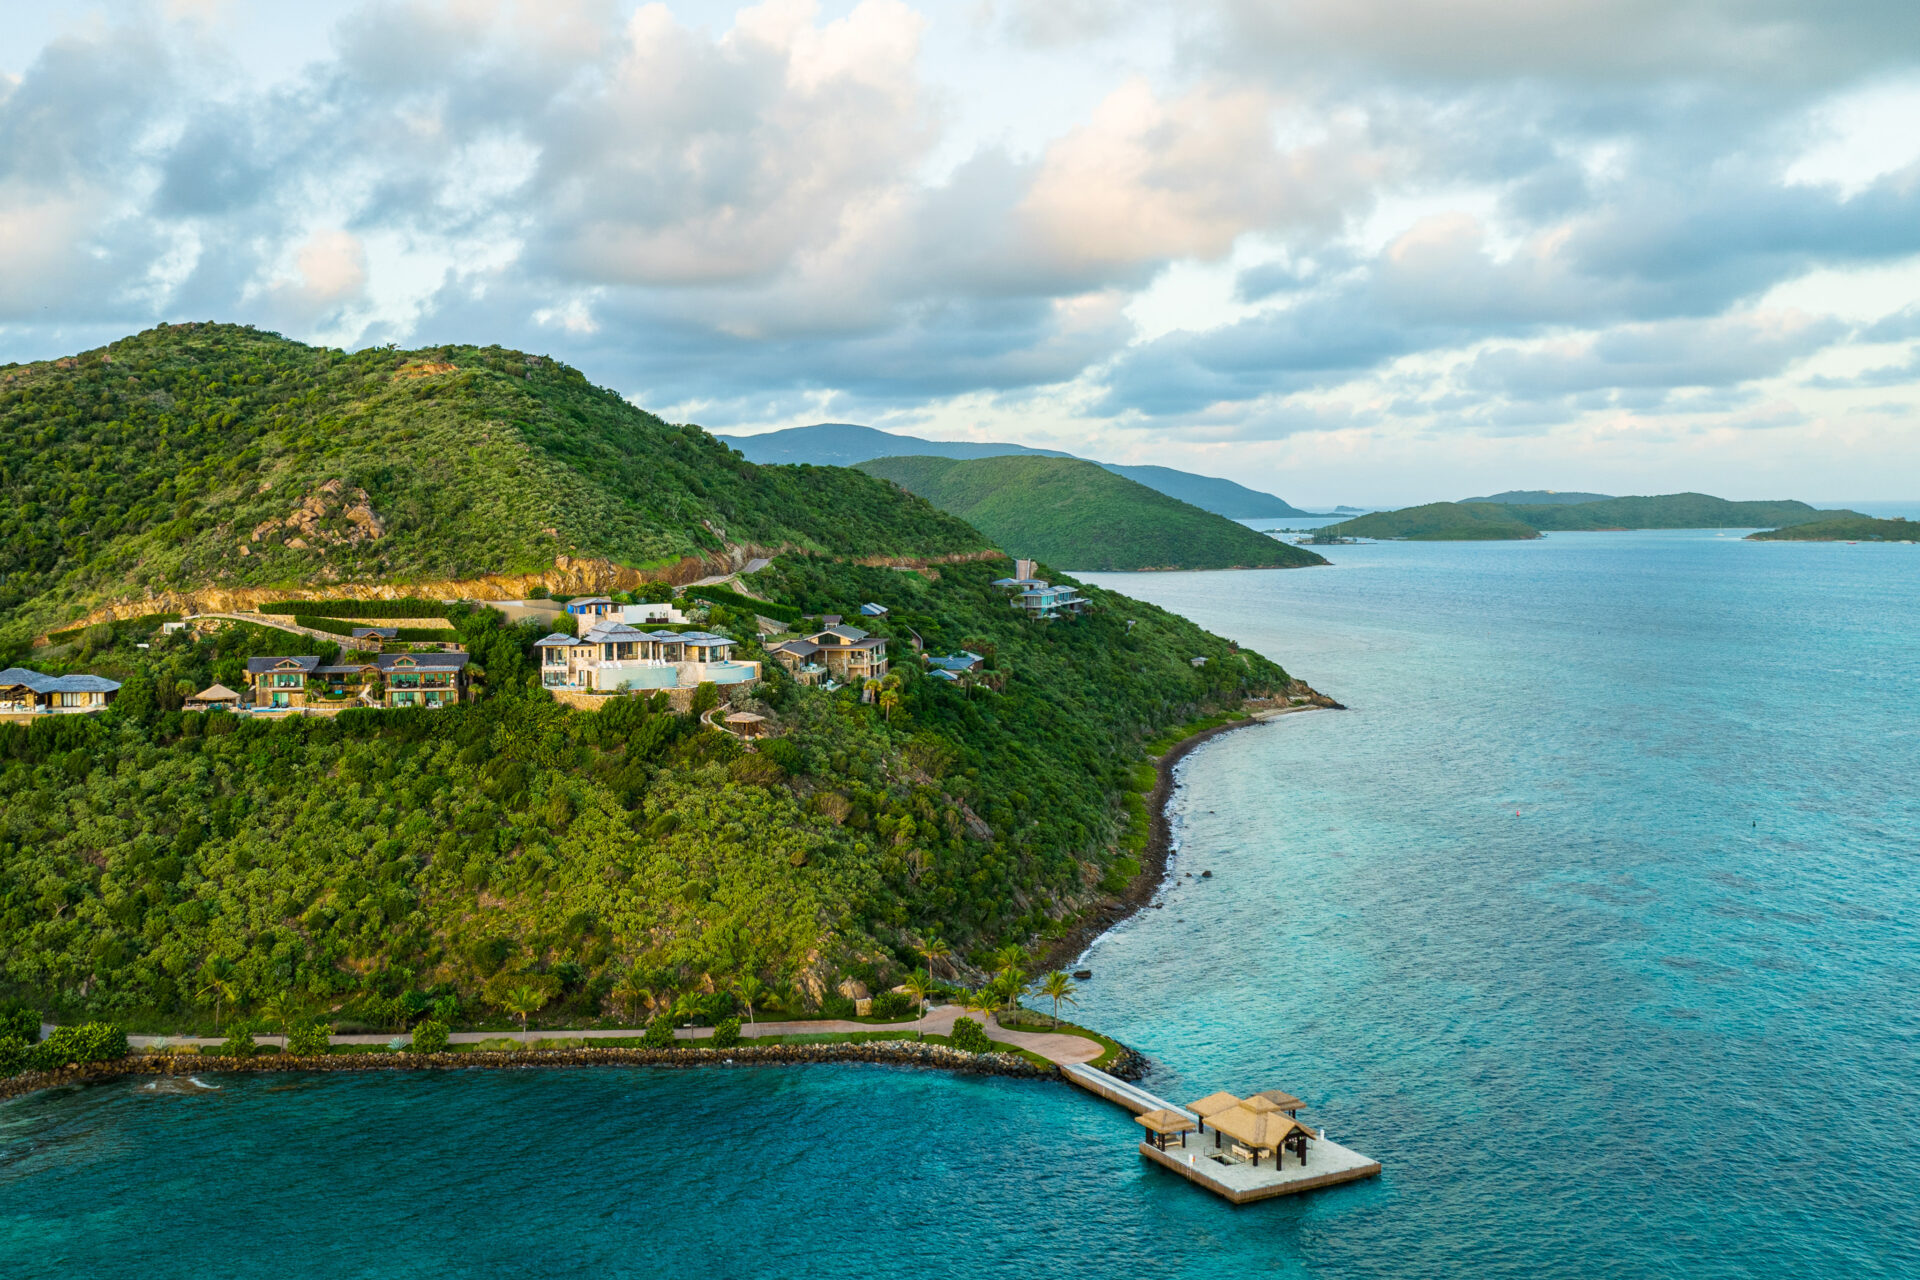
(214, 455)
(1082, 516)
(1480, 521)
(1849, 528)
(161, 866)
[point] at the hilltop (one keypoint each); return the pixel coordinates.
(1540, 497)
(842, 444)
(208, 457)
(164, 867)
(1847, 528)
(1475, 521)
(1078, 514)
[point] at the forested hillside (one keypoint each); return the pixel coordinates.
(156, 865)
(197, 456)
(1492, 519)
(1082, 516)
(164, 867)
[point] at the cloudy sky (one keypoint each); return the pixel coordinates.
(1368, 251)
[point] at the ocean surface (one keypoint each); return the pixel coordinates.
(1593, 920)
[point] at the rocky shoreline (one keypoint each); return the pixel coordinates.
(895, 1053)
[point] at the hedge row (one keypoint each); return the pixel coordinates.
(365, 608)
(335, 627)
(88, 1042)
(734, 600)
(145, 622)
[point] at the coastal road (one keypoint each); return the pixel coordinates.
(1057, 1047)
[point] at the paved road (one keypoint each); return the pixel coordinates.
(1053, 1046)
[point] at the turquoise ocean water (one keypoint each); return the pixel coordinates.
(1594, 920)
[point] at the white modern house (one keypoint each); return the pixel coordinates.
(613, 657)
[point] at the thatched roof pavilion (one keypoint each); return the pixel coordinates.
(214, 695)
(1164, 1124)
(1279, 1099)
(1262, 1131)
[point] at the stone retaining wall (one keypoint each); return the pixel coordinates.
(899, 1053)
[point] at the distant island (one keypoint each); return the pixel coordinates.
(1850, 527)
(1498, 519)
(846, 444)
(1540, 497)
(1081, 516)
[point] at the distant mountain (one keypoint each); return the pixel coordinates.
(1473, 521)
(1080, 516)
(1540, 497)
(843, 444)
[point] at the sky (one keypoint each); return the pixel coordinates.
(1361, 251)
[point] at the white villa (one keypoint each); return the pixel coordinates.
(613, 656)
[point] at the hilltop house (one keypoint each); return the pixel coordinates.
(28, 692)
(965, 660)
(1040, 600)
(652, 614)
(279, 684)
(407, 680)
(872, 610)
(614, 656)
(846, 653)
(593, 608)
(381, 634)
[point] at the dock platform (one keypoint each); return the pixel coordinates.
(1328, 1163)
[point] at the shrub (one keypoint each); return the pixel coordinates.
(838, 1007)
(20, 1021)
(430, 1037)
(659, 1034)
(13, 1055)
(88, 1042)
(239, 1042)
(968, 1035)
(892, 1004)
(309, 1039)
(727, 1034)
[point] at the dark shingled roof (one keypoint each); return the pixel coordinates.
(304, 662)
(57, 684)
(422, 661)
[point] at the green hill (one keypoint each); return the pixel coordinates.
(1079, 514)
(215, 456)
(163, 867)
(1437, 522)
(1847, 528)
(1541, 497)
(1482, 521)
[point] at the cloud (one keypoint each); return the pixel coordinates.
(1724, 351)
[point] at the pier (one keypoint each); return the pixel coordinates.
(1327, 1163)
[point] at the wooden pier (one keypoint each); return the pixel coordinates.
(1327, 1163)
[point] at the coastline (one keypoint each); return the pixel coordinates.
(1070, 951)
(894, 1053)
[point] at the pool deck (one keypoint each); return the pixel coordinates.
(1328, 1163)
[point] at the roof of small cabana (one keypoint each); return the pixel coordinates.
(1164, 1121)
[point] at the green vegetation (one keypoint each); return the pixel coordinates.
(1847, 528)
(746, 604)
(214, 455)
(365, 608)
(430, 1037)
(970, 1036)
(1498, 520)
(88, 1042)
(1540, 497)
(1079, 514)
(1437, 522)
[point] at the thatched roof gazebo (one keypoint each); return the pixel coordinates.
(746, 724)
(1257, 1131)
(1276, 1100)
(214, 695)
(1212, 1105)
(1164, 1124)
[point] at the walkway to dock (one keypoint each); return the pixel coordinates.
(1055, 1046)
(1208, 1162)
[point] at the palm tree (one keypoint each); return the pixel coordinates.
(889, 696)
(1057, 986)
(935, 951)
(983, 1000)
(869, 691)
(222, 991)
(749, 988)
(629, 992)
(280, 1010)
(523, 1000)
(919, 987)
(1010, 963)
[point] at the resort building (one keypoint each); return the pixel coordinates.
(593, 608)
(613, 656)
(215, 697)
(845, 653)
(404, 680)
(965, 660)
(378, 634)
(802, 658)
(280, 684)
(25, 692)
(1039, 600)
(872, 610)
(654, 614)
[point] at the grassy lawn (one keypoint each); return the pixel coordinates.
(1109, 1049)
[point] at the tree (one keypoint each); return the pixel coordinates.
(983, 1000)
(630, 993)
(1057, 986)
(935, 951)
(222, 990)
(919, 987)
(890, 699)
(750, 989)
(523, 1000)
(1010, 963)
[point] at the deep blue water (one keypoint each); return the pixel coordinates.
(1593, 920)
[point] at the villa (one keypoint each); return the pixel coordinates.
(965, 660)
(24, 692)
(593, 608)
(841, 652)
(614, 656)
(1040, 600)
(652, 614)
(405, 679)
